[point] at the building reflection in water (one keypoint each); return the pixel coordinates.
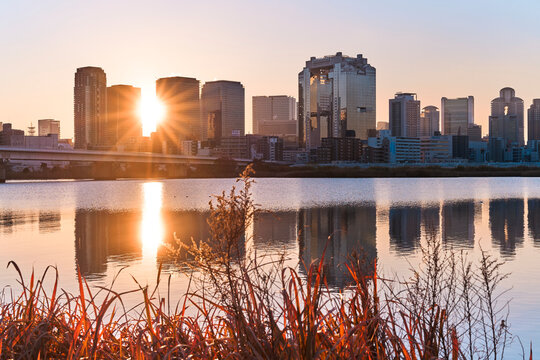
(404, 227)
(506, 221)
(48, 221)
(533, 219)
(275, 230)
(430, 215)
(337, 232)
(458, 223)
(101, 235)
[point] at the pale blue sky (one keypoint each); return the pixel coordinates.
(434, 48)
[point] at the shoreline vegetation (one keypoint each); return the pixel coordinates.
(229, 169)
(243, 306)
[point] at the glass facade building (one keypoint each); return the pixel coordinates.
(222, 109)
(336, 98)
(456, 115)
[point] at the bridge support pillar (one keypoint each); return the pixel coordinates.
(175, 171)
(104, 170)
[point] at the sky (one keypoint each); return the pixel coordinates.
(433, 48)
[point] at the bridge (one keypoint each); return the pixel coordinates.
(104, 161)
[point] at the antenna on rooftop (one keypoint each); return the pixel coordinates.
(31, 129)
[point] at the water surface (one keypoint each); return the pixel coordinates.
(104, 226)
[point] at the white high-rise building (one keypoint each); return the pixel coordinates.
(48, 126)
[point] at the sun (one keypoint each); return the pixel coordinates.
(151, 111)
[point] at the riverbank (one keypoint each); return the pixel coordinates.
(230, 169)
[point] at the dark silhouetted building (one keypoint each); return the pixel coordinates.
(460, 146)
(251, 146)
(506, 120)
(90, 103)
(123, 121)
(533, 120)
(180, 98)
(404, 115)
(335, 93)
(341, 149)
(11, 137)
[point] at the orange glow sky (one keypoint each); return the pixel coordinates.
(458, 48)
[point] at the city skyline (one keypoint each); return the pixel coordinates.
(455, 58)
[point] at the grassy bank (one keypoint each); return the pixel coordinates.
(228, 169)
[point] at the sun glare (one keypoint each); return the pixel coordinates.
(151, 111)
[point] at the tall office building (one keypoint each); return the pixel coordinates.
(90, 105)
(336, 97)
(404, 115)
(533, 120)
(429, 121)
(222, 109)
(180, 97)
(48, 126)
(274, 115)
(124, 126)
(506, 120)
(456, 115)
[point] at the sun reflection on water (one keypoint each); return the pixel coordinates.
(152, 227)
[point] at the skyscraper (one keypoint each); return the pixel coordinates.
(274, 115)
(90, 105)
(533, 120)
(336, 94)
(404, 115)
(124, 127)
(456, 115)
(48, 126)
(180, 97)
(506, 120)
(429, 121)
(223, 109)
